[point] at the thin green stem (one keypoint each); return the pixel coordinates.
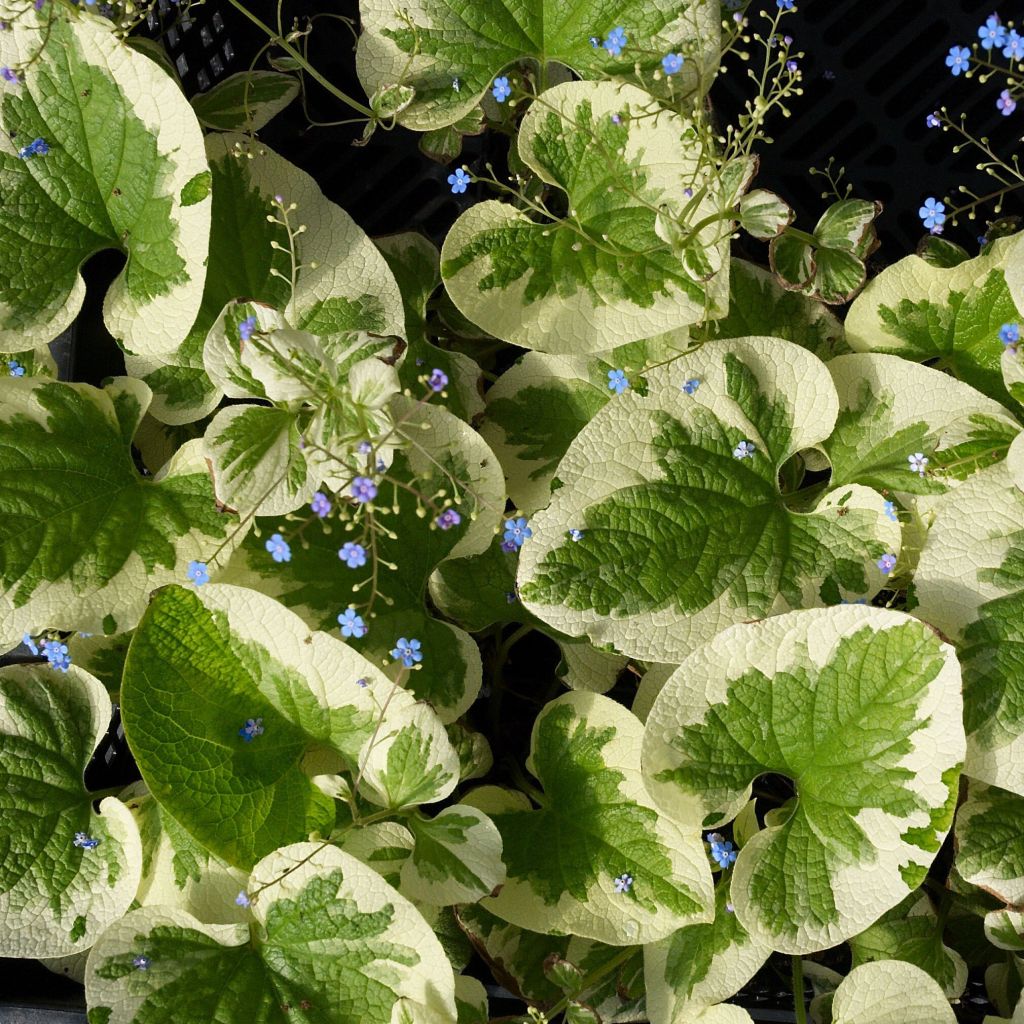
(798, 990)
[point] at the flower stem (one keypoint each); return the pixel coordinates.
(798, 990)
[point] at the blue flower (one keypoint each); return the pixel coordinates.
(886, 564)
(353, 555)
(502, 90)
(459, 180)
(933, 213)
(1006, 103)
(890, 511)
(9, 75)
(509, 546)
(615, 41)
(958, 59)
(279, 548)
(15, 369)
(246, 327)
(576, 535)
(617, 381)
(744, 450)
(197, 573)
(27, 640)
(784, 5)
(595, 41)
(37, 147)
(363, 489)
(364, 447)
(84, 841)
(516, 531)
(141, 962)
(690, 387)
(242, 899)
(57, 655)
(672, 63)
(447, 519)
(438, 380)
(792, 67)
(933, 120)
(992, 33)
(1014, 49)
(1009, 334)
(352, 624)
(320, 505)
(623, 883)
(407, 651)
(253, 727)
(362, 684)
(917, 462)
(722, 850)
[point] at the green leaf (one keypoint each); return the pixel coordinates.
(764, 215)
(384, 846)
(681, 537)
(860, 708)
(608, 275)
(584, 751)
(1005, 928)
(701, 965)
(124, 145)
(923, 312)
(246, 101)
(891, 408)
(450, 54)
(888, 990)
(471, 1000)
(200, 665)
(85, 537)
(55, 897)
(457, 857)
(990, 841)
(326, 935)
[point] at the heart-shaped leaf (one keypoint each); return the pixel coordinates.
(990, 841)
(888, 990)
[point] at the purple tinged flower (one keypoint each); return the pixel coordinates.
(447, 519)
(438, 380)
(509, 546)
(958, 59)
(15, 369)
(575, 536)
(886, 564)
(510, 597)
(517, 532)
(932, 213)
(933, 120)
(362, 683)
(198, 573)
(353, 555)
(363, 489)
(9, 75)
(792, 67)
(1009, 334)
(56, 655)
(352, 624)
(992, 33)
(617, 381)
(407, 651)
(744, 450)
(917, 463)
(615, 41)
(364, 447)
(253, 727)
(246, 327)
(890, 511)
(616, 118)
(27, 640)
(1014, 49)
(672, 63)
(279, 548)
(1006, 103)
(320, 505)
(459, 180)
(690, 387)
(502, 90)
(623, 883)
(140, 962)
(242, 899)
(84, 841)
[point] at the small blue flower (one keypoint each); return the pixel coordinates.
(933, 120)
(509, 546)
(352, 624)
(516, 532)
(364, 447)
(363, 489)
(1006, 103)
(459, 180)
(958, 59)
(672, 63)
(1009, 334)
(253, 727)
(242, 899)
(576, 536)
(362, 683)
(320, 505)
(690, 387)
(352, 554)
(917, 463)
(744, 450)
(15, 369)
(617, 381)
(992, 33)
(792, 67)
(886, 564)
(595, 41)
(246, 327)
(784, 5)
(890, 511)
(1014, 49)
(860, 600)
(9, 75)
(623, 883)
(84, 841)
(279, 548)
(615, 41)
(932, 213)
(438, 380)
(502, 90)
(447, 519)
(27, 640)
(57, 655)
(722, 850)
(197, 573)
(140, 962)
(407, 651)
(37, 147)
